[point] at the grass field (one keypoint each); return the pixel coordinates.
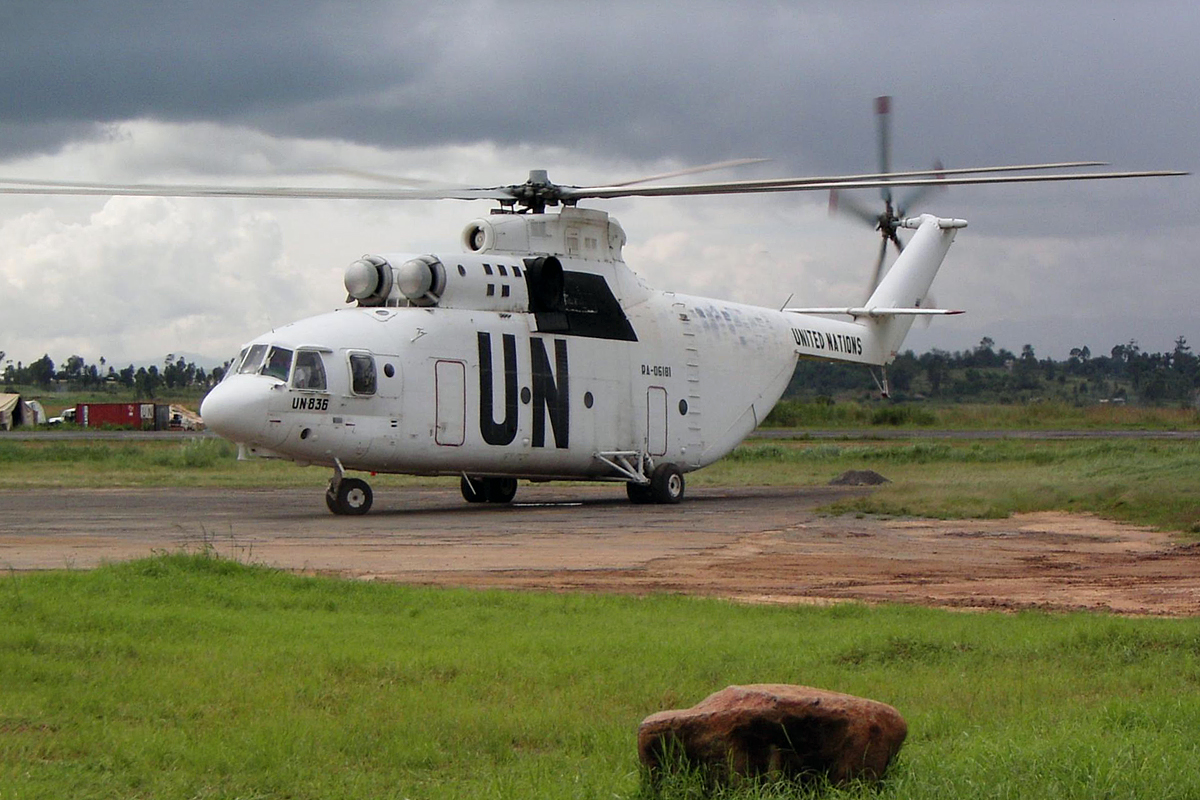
(1048, 415)
(189, 676)
(192, 676)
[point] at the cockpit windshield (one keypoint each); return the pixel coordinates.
(253, 359)
(310, 371)
(232, 367)
(279, 363)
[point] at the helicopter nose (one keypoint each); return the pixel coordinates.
(236, 409)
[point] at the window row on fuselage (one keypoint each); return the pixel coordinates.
(304, 369)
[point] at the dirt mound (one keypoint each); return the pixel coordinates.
(859, 477)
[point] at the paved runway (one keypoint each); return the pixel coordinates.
(408, 530)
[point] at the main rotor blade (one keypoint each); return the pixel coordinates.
(381, 177)
(811, 185)
(737, 162)
(866, 176)
(22, 186)
(454, 189)
(554, 193)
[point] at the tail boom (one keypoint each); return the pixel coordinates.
(880, 325)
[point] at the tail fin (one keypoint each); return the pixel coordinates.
(883, 321)
(907, 283)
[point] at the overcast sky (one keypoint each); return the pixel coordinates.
(480, 93)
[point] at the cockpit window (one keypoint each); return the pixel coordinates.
(310, 371)
(232, 367)
(253, 359)
(279, 363)
(362, 373)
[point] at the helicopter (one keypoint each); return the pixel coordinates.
(534, 352)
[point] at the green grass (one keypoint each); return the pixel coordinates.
(201, 461)
(1051, 415)
(1145, 482)
(187, 676)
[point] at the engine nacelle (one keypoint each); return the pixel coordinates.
(485, 282)
(369, 281)
(378, 281)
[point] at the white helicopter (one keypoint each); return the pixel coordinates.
(536, 353)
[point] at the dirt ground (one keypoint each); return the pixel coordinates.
(767, 545)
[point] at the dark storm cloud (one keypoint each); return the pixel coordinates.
(697, 81)
(63, 65)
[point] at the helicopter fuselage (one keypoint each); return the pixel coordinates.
(500, 363)
(485, 392)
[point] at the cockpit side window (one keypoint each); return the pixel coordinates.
(233, 366)
(279, 363)
(253, 359)
(309, 372)
(362, 373)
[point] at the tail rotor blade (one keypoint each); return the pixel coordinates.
(919, 194)
(878, 274)
(840, 202)
(883, 112)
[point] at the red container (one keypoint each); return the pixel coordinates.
(141, 416)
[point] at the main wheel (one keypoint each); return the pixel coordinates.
(639, 493)
(352, 497)
(666, 484)
(500, 490)
(474, 490)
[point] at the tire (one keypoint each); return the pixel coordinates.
(474, 490)
(353, 498)
(639, 493)
(500, 490)
(666, 484)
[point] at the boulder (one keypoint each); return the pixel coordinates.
(775, 731)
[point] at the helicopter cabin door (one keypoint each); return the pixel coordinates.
(450, 385)
(656, 421)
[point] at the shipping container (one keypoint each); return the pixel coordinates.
(140, 416)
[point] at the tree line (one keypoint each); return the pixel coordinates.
(990, 374)
(985, 374)
(75, 374)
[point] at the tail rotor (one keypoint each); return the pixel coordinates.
(894, 212)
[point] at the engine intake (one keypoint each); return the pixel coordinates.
(375, 281)
(369, 281)
(422, 280)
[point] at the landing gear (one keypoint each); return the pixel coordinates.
(666, 484)
(665, 487)
(488, 490)
(500, 490)
(348, 496)
(639, 493)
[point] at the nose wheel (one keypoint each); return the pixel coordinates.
(348, 497)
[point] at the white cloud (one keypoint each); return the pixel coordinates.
(133, 279)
